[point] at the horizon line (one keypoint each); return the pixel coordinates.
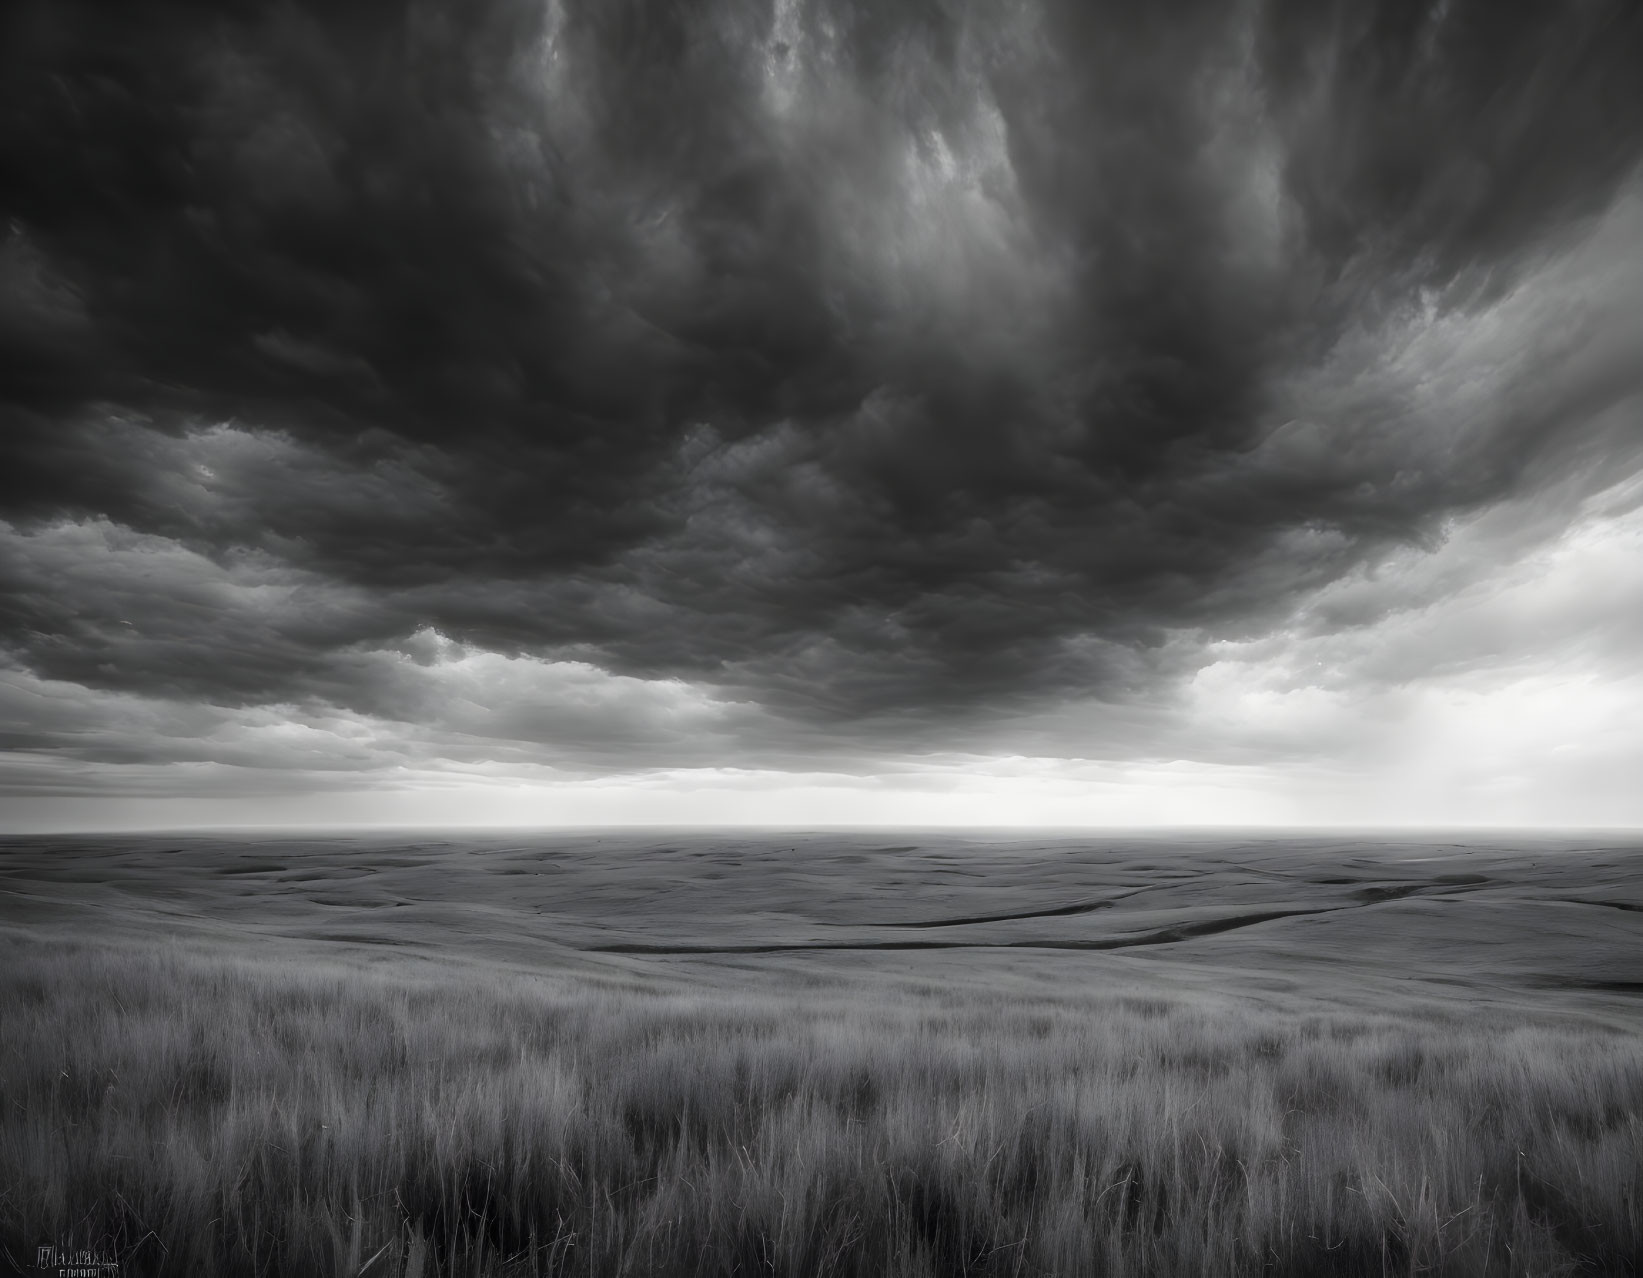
(1022, 829)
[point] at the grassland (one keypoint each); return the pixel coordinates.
(204, 1076)
(202, 1115)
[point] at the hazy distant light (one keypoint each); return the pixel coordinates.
(1508, 700)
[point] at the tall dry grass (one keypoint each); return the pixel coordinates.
(212, 1117)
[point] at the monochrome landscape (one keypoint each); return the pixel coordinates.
(821, 637)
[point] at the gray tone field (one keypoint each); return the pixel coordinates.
(1496, 918)
(825, 1054)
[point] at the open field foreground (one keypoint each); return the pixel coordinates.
(830, 1055)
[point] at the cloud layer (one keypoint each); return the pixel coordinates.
(622, 387)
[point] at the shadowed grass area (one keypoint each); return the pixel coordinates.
(208, 1115)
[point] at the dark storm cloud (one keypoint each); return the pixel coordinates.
(869, 363)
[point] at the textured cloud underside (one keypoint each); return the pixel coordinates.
(624, 386)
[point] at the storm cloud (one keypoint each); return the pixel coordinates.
(608, 388)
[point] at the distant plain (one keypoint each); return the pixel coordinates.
(852, 1053)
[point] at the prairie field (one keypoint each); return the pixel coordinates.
(823, 1054)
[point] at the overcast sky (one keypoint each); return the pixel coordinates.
(799, 411)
